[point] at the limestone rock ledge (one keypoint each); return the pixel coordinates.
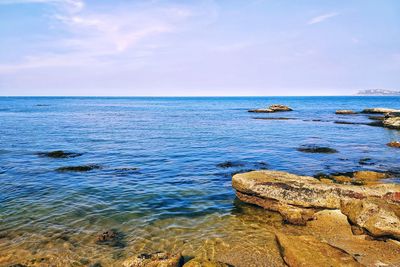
(375, 208)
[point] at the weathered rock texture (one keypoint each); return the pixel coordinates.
(272, 108)
(297, 198)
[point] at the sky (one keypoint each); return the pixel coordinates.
(198, 48)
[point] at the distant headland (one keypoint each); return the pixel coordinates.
(378, 92)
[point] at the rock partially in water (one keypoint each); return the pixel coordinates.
(356, 178)
(229, 164)
(394, 144)
(350, 123)
(392, 122)
(379, 110)
(345, 112)
(316, 149)
(112, 238)
(158, 259)
(333, 227)
(309, 251)
(303, 195)
(376, 118)
(204, 263)
(381, 218)
(82, 168)
(272, 108)
(59, 154)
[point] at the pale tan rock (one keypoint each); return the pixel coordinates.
(379, 217)
(304, 191)
(298, 197)
(345, 112)
(392, 122)
(333, 227)
(272, 108)
(379, 110)
(299, 251)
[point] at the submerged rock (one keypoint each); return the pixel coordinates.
(394, 144)
(82, 168)
(345, 112)
(297, 198)
(316, 149)
(59, 154)
(204, 263)
(111, 238)
(379, 110)
(157, 259)
(309, 251)
(366, 161)
(229, 164)
(272, 108)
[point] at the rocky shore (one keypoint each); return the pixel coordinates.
(343, 224)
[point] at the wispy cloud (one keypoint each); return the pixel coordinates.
(94, 37)
(322, 18)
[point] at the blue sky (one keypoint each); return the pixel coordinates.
(203, 47)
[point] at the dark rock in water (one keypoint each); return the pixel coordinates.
(375, 124)
(366, 161)
(349, 122)
(230, 164)
(276, 118)
(97, 264)
(376, 118)
(272, 108)
(111, 238)
(394, 144)
(157, 259)
(316, 149)
(83, 168)
(57, 154)
(345, 112)
(42, 105)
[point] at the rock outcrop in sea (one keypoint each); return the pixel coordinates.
(272, 108)
(345, 112)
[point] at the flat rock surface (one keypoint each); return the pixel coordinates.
(298, 251)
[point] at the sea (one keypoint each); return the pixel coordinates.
(163, 172)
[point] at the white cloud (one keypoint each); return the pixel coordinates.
(322, 18)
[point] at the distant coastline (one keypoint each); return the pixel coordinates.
(378, 92)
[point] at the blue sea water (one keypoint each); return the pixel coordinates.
(176, 144)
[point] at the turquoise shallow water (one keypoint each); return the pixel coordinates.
(176, 144)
